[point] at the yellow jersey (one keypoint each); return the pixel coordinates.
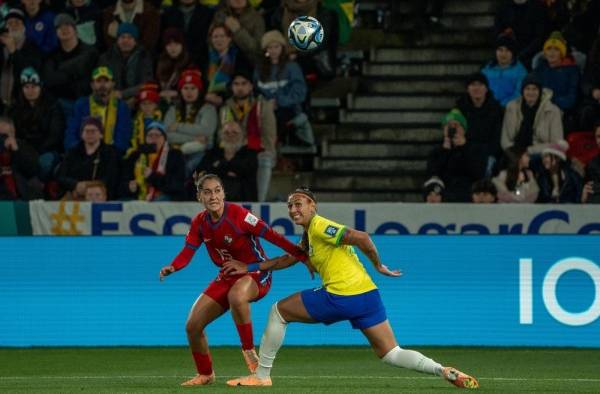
(338, 265)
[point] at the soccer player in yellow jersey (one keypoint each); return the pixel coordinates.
(348, 293)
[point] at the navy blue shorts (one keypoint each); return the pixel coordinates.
(362, 310)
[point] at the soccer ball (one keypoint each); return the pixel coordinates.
(305, 33)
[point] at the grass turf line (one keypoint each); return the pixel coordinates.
(297, 370)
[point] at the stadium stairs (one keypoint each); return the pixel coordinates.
(377, 128)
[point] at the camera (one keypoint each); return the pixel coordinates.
(147, 148)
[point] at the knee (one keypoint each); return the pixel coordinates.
(276, 314)
(194, 327)
(237, 300)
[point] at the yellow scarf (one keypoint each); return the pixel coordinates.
(138, 136)
(108, 115)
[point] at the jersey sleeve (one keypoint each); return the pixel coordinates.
(193, 240)
(258, 227)
(328, 230)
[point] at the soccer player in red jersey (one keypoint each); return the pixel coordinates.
(229, 231)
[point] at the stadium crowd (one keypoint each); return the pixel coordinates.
(131, 97)
(527, 129)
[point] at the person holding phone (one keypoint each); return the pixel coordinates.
(457, 162)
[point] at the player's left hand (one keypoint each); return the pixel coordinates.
(383, 269)
(234, 267)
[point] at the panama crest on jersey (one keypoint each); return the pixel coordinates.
(228, 240)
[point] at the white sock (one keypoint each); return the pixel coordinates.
(411, 359)
(270, 343)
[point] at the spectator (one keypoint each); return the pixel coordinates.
(102, 104)
(138, 12)
(505, 73)
(246, 25)
(147, 112)
(531, 121)
(18, 165)
(39, 121)
(130, 63)
(322, 61)
(483, 115)
(591, 190)
(234, 163)
(527, 21)
(191, 122)
(279, 79)
(194, 19)
(558, 72)
(67, 70)
(457, 162)
(558, 182)
(257, 118)
(224, 58)
(18, 53)
(516, 183)
(95, 191)
(155, 172)
(589, 114)
(88, 21)
(173, 59)
(90, 160)
(433, 190)
(427, 13)
(39, 23)
(484, 192)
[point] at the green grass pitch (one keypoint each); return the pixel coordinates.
(297, 370)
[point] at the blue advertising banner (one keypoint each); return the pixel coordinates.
(493, 291)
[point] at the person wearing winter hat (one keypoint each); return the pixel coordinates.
(559, 72)
(531, 121)
(191, 121)
(148, 110)
(131, 63)
(457, 161)
(483, 114)
(141, 13)
(155, 171)
(89, 160)
(558, 181)
(433, 190)
(505, 72)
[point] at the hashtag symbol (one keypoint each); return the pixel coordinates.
(61, 218)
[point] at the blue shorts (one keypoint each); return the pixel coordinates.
(362, 310)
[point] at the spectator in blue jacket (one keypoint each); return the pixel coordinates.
(505, 73)
(559, 72)
(39, 23)
(102, 103)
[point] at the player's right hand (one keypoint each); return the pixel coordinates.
(234, 267)
(166, 271)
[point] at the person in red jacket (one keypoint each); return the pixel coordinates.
(230, 232)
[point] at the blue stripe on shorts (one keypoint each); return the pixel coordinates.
(362, 310)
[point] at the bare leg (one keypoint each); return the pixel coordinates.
(292, 309)
(204, 311)
(239, 297)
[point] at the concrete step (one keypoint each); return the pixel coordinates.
(391, 117)
(471, 38)
(370, 165)
(419, 69)
(405, 102)
(356, 149)
(391, 133)
(453, 6)
(447, 54)
(367, 196)
(367, 182)
(412, 85)
(453, 22)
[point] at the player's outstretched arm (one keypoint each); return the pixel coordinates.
(363, 241)
(180, 261)
(234, 267)
(166, 271)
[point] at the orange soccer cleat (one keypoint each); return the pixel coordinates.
(460, 379)
(200, 380)
(251, 359)
(250, 380)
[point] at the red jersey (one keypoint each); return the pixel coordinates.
(234, 236)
